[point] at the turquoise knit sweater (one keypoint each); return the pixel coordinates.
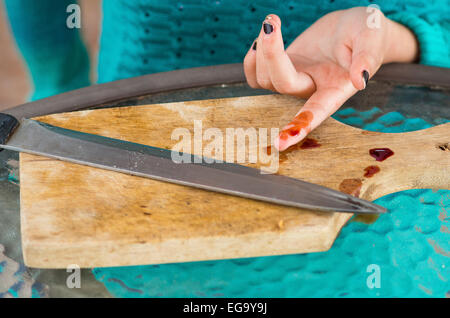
(146, 36)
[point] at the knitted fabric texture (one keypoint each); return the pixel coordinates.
(147, 36)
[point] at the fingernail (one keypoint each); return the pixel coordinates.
(268, 28)
(365, 75)
(254, 46)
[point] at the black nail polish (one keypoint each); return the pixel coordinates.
(254, 46)
(365, 75)
(268, 28)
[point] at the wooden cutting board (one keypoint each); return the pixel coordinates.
(73, 214)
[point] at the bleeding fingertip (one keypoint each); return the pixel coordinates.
(280, 143)
(276, 143)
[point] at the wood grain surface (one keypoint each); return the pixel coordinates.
(73, 214)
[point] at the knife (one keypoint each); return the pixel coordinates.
(34, 137)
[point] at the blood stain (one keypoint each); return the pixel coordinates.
(309, 143)
(351, 186)
(381, 154)
(371, 170)
(301, 121)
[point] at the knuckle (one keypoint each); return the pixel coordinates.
(287, 88)
(319, 108)
(370, 59)
(264, 83)
(270, 53)
(252, 84)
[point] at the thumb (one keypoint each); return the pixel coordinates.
(363, 67)
(367, 56)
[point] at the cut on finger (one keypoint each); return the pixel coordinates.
(321, 105)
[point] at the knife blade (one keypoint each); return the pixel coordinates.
(34, 137)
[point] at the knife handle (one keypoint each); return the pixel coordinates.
(8, 125)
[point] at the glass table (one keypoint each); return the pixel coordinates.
(410, 244)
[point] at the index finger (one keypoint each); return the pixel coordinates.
(321, 105)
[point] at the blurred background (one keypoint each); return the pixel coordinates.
(15, 85)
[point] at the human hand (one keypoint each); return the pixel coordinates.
(328, 63)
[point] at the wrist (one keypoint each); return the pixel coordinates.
(402, 45)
